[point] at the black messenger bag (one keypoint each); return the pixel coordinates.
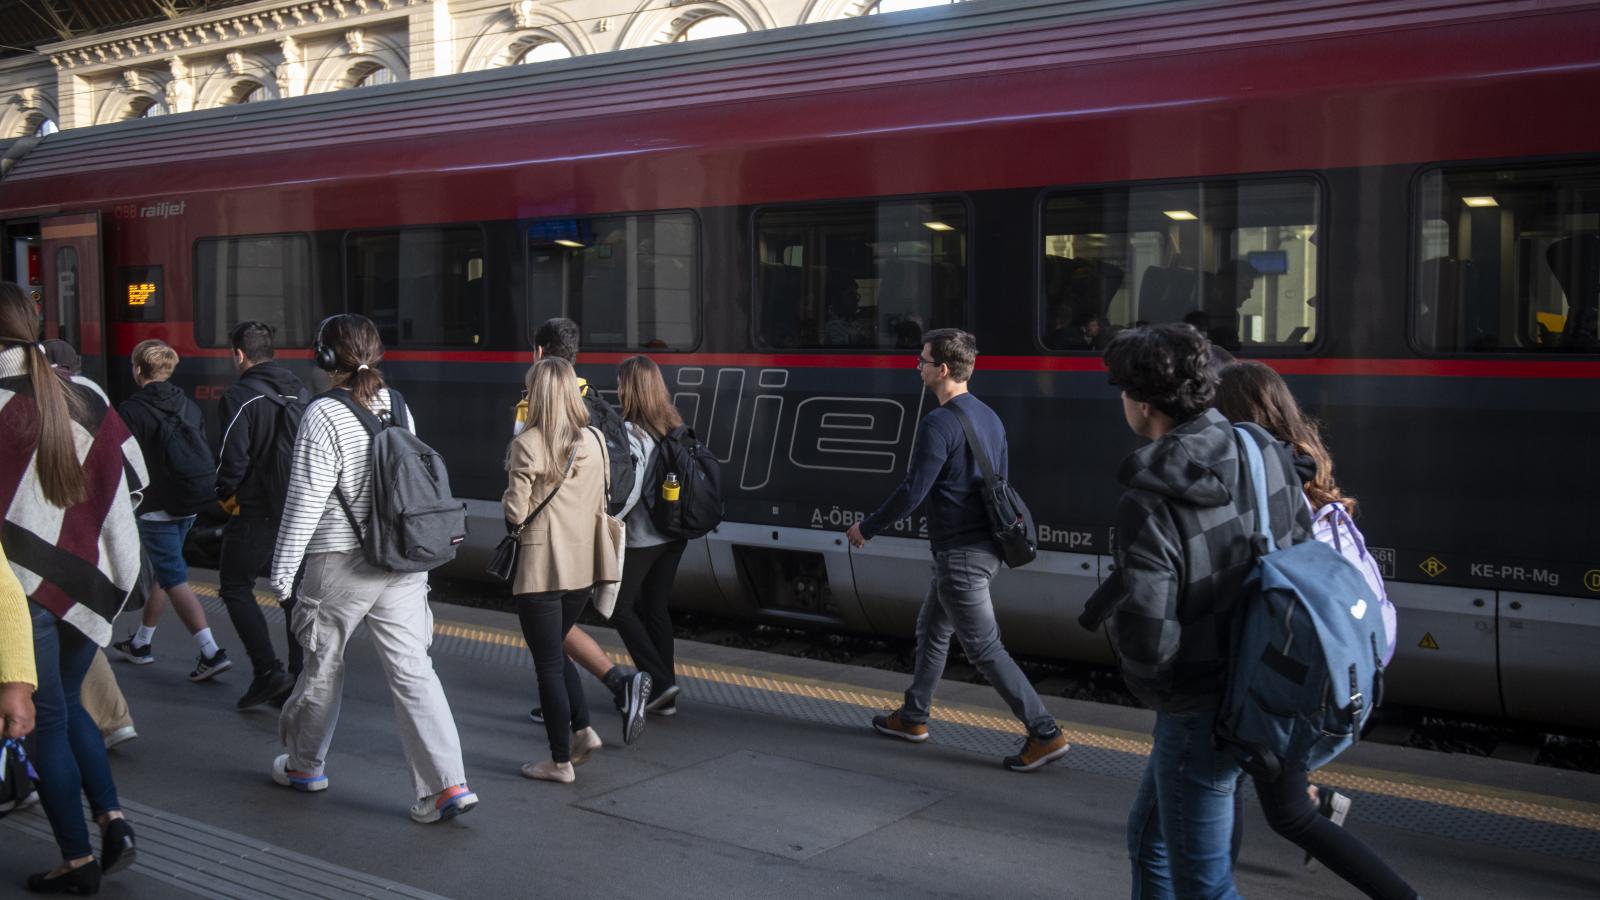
(1010, 522)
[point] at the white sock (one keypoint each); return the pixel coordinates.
(208, 647)
(144, 635)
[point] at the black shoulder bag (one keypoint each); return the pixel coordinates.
(1010, 522)
(503, 565)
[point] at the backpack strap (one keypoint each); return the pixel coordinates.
(605, 459)
(975, 449)
(1257, 477)
(374, 425)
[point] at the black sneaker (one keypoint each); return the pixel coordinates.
(139, 656)
(666, 698)
(205, 667)
(635, 697)
(266, 687)
(1333, 806)
(670, 708)
(537, 715)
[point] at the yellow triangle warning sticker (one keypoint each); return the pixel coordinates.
(1427, 642)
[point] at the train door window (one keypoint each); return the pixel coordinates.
(1236, 259)
(422, 287)
(630, 282)
(265, 278)
(141, 295)
(1508, 260)
(67, 296)
(861, 275)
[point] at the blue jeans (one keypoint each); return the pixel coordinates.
(958, 603)
(69, 753)
(1180, 830)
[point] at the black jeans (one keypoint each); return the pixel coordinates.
(1294, 816)
(247, 544)
(642, 617)
(546, 618)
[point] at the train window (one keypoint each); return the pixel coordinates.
(141, 295)
(422, 287)
(1236, 259)
(266, 278)
(861, 275)
(630, 282)
(1509, 261)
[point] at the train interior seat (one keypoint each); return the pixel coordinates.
(1575, 262)
(1168, 293)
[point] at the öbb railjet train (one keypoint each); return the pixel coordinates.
(1396, 205)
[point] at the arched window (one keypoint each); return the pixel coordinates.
(544, 51)
(371, 77)
(46, 127)
(894, 6)
(248, 92)
(715, 25)
(147, 108)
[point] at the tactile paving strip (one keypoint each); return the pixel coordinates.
(212, 862)
(1490, 817)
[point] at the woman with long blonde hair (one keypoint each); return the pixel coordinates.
(74, 475)
(555, 502)
(642, 616)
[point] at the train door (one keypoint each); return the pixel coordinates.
(72, 299)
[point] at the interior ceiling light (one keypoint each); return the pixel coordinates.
(566, 243)
(1478, 202)
(1180, 215)
(939, 226)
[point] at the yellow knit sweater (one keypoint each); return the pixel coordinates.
(16, 630)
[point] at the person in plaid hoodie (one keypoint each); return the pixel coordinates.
(1183, 549)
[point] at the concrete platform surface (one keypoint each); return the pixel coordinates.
(768, 783)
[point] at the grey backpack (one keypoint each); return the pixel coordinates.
(416, 523)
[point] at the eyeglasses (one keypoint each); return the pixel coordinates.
(923, 361)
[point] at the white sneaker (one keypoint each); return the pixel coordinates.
(447, 804)
(584, 743)
(548, 770)
(300, 781)
(121, 736)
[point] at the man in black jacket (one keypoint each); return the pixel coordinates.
(1183, 549)
(260, 415)
(170, 431)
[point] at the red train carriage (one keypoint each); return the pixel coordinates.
(1396, 204)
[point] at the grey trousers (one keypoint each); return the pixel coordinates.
(340, 591)
(958, 603)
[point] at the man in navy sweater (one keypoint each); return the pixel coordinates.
(944, 472)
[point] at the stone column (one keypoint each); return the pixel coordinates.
(431, 32)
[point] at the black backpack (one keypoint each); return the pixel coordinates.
(620, 452)
(698, 508)
(188, 468)
(273, 472)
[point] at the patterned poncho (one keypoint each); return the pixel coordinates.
(81, 562)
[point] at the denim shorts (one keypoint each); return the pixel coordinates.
(163, 542)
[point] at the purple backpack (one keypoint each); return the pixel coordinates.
(1333, 526)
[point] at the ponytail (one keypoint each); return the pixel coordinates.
(354, 346)
(56, 402)
(60, 470)
(365, 384)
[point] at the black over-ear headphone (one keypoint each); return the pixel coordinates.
(321, 353)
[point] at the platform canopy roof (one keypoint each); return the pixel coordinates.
(28, 24)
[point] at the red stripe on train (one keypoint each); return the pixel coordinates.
(1324, 366)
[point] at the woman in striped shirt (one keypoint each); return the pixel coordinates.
(340, 590)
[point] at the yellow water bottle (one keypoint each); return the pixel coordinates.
(670, 488)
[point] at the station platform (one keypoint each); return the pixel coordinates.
(768, 783)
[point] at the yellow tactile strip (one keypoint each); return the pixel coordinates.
(1478, 798)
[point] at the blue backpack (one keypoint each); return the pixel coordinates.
(1306, 667)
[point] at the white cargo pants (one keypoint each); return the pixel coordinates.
(339, 592)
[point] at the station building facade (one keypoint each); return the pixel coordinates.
(250, 52)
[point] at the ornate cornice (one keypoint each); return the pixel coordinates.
(220, 32)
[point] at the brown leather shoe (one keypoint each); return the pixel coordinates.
(1038, 751)
(895, 726)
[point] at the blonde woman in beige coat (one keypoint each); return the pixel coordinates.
(557, 461)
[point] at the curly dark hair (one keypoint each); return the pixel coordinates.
(1166, 366)
(559, 338)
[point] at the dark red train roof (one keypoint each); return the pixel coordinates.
(1150, 71)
